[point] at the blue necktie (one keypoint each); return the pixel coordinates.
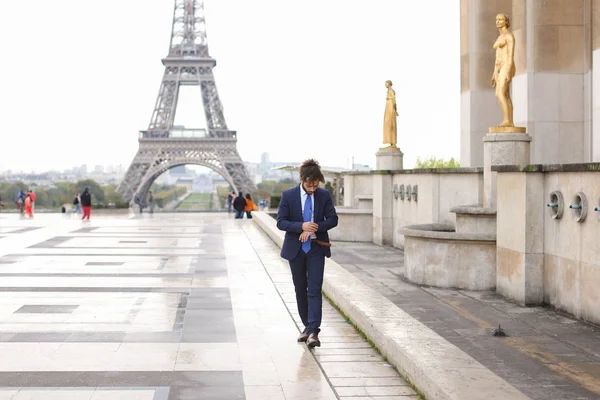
(307, 218)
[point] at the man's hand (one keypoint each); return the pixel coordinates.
(304, 236)
(310, 227)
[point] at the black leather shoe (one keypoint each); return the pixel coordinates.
(313, 341)
(303, 336)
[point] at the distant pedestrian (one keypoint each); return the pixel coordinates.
(250, 206)
(77, 204)
(140, 203)
(33, 196)
(28, 210)
(230, 198)
(239, 205)
(151, 202)
(20, 201)
(86, 203)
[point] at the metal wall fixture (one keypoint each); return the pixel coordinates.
(556, 206)
(579, 207)
(415, 192)
(401, 192)
(408, 193)
(395, 191)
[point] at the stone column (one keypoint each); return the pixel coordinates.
(501, 149)
(551, 91)
(520, 237)
(479, 109)
(382, 208)
(348, 190)
(593, 28)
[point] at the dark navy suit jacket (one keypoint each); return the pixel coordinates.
(290, 219)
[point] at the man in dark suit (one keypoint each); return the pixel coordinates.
(306, 213)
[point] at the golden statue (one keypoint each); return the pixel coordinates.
(389, 118)
(504, 71)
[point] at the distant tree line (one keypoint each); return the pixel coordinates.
(434, 162)
(64, 192)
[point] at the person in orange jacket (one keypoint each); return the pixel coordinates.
(250, 206)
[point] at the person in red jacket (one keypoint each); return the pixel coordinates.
(32, 196)
(86, 203)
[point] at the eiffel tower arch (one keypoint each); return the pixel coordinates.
(163, 146)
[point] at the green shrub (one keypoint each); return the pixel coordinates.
(434, 162)
(274, 202)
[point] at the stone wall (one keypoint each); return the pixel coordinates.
(356, 186)
(543, 256)
(354, 225)
(437, 192)
(572, 248)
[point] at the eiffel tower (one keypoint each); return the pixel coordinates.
(163, 146)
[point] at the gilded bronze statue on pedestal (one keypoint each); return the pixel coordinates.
(504, 71)
(389, 118)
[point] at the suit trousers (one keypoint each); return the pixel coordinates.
(307, 275)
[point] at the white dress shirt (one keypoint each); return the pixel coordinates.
(303, 196)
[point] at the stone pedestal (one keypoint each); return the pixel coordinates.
(502, 149)
(389, 159)
(383, 224)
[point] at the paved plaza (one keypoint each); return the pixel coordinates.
(546, 355)
(175, 306)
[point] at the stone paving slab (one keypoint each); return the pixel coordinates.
(438, 368)
(165, 307)
(548, 355)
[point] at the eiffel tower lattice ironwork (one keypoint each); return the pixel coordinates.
(163, 146)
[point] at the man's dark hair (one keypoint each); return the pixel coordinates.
(310, 170)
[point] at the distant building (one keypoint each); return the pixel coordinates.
(187, 183)
(361, 167)
(267, 170)
(264, 170)
(264, 158)
(203, 184)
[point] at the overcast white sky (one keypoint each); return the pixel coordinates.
(297, 78)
